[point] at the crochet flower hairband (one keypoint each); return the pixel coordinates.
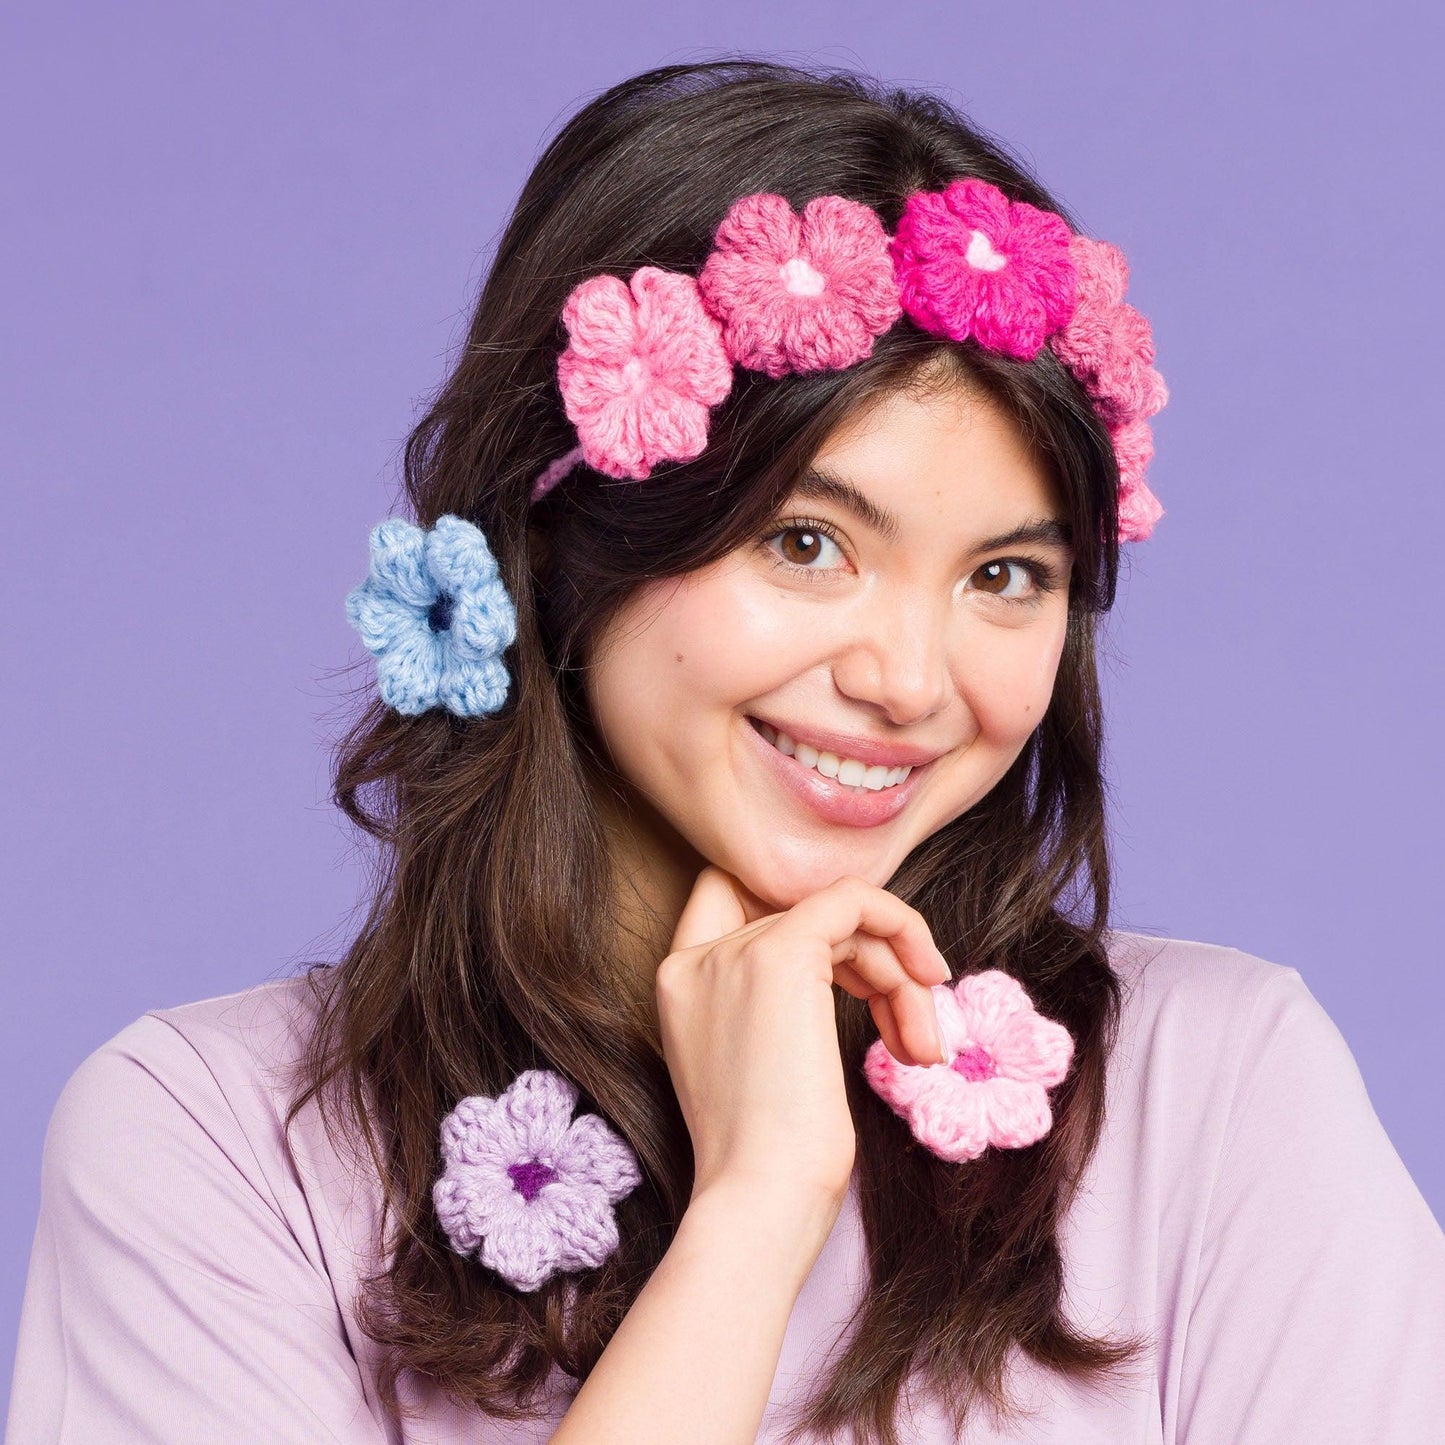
(647, 360)
(531, 1191)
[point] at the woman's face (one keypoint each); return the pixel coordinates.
(888, 631)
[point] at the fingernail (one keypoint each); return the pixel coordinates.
(938, 1034)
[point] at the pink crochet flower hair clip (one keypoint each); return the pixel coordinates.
(648, 359)
(1004, 1056)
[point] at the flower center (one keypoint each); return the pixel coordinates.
(974, 1063)
(801, 279)
(530, 1177)
(439, 614)
(635, 374)
(981, 254)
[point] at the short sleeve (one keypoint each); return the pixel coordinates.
(167, 1298)
(1319, 1309)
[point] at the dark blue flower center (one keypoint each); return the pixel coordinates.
(530, 1177)
(439, 614)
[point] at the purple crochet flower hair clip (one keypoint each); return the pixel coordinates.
(527, 1188)
(648, 359)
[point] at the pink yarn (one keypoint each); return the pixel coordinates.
(1107, 344)
(1004, 1056)
(1139, 508)
(800, 294)
(644, 364)
(971, 262)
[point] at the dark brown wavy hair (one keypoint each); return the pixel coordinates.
(491, 937)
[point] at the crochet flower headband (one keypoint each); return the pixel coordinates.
(531, 1191)
(646, 361)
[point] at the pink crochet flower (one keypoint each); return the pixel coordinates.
(793, 294)
(1107, 344)
(643, 366)
(1139, 508)
(1004, 1055)
(970, 262)
(528, 1186)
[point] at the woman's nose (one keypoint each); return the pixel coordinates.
(897, 658)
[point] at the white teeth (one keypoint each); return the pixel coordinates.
(848, 771)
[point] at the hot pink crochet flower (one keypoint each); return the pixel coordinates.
(1004, 1055)
(800, 294)
(1107, 344)
(644, 364)
(527, 1187)
(971, 262)
(1139, 508)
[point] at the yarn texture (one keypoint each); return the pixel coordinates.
(644, 363)
(971, 262)
(527, 1188)
(805, 293)
(784, 293)
(1003, 1057)
(437, 617)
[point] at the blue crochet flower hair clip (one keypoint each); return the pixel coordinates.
(437, 617)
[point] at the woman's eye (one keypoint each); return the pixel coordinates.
(802, 545)
(996, 582)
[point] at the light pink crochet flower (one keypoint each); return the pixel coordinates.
(1139, 508)
(1107, 344)
(644, 364)
(800, 294)
(527, 1185)
(1004, 1055)
(970, 262)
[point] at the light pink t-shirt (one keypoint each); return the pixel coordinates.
(190, 1283)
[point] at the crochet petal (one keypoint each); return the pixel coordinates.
(601, 320)
(478, 1131)
(985, 1002)
(539, 1102)
(949, 1115)
(760, 229)
(484, 622)
(380, 617)
(1016, 1112)
(470, 1205)
(411, 671)
(680, 340)
(593, 1153)
(524, 1248)
(474, 688)
(1032, 1048)
(398, 563)
(582, 1223)
(458, 557)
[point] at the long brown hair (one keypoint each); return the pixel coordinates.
(490, 942)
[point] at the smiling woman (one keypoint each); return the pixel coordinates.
(883, 629)
(736, 1046)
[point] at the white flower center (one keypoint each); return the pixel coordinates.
(801, 279)
(981, 254)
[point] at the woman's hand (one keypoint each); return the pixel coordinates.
(745, 1004)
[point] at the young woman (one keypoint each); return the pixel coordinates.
(736, 1046)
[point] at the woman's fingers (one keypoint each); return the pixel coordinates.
(886, 946)
(905, 1016)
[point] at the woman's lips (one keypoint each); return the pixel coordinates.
(831, 800)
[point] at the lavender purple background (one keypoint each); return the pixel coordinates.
(239, 251)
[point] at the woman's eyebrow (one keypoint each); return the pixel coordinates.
(822, 485)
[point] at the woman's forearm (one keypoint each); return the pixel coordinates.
(695, 1357)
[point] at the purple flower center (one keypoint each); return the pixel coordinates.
(974, 1063)
(530, 1177)
(439, 614)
